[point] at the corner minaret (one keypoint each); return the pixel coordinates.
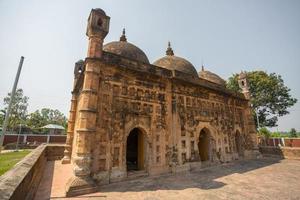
(97, 29)
(248, 112)
(244, 85)
(87, 108)
(78, 70)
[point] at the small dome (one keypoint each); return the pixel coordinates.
(212, 77)
(126, 49)
(172, 62)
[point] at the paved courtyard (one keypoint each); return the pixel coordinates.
(266, 178)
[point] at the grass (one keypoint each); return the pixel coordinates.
(8, 160)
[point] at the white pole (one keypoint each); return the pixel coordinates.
(17, 146)
(283, 142)
(24, 138)
(48, 138)
(5, 123)
(257, 119)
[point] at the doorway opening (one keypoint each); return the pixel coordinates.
(135, 150)
(204, 145)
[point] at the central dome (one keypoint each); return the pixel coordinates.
(126, 49)
(172, 62)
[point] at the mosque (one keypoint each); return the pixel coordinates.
(130, 117)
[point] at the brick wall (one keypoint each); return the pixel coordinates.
(282, 152)
(13, 138)
(22, 180)
(284, 142)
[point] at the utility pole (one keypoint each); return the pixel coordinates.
(257, 119)
(20, 130)
(10, 102)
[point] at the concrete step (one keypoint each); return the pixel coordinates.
(136, 174)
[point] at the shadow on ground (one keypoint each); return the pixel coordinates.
(203, 179)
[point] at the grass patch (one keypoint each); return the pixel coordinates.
(8, 160)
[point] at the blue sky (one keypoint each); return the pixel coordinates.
(226, 35)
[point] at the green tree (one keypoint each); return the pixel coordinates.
(46, 116)
(269, 96)
(264, 132)
(2, 116)
(35, 120)
(18, 111)
(293, 133)
(276, 134)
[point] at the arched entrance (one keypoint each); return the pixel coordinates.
(135, 150)
(204, 145)
(238, 146)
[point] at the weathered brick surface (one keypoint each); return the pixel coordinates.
(283, 152)
(22, 181)
(55, 151)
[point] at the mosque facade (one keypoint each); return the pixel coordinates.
(131, 118)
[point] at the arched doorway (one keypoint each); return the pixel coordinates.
(204, 145)
(238, 146)
(135, 150)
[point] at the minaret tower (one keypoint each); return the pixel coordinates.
(244, 84)
(85, 129)
(97, 29)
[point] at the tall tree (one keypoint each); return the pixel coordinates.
(46, 116)
(2, 116)
(18, 111)
(293, 133)
(270, 98)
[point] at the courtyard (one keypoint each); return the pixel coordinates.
(266, 178)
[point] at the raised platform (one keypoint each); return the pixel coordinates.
(244, 179)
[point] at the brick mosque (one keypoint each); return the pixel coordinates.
(132, 118)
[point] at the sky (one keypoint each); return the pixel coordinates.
(227, 36)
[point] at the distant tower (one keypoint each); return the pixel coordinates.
(97, 29)
(244, 84)
(87, 108)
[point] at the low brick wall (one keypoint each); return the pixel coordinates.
(283, 152)
(283, 142)
(21, 182)
(55, 151)
(33, 138)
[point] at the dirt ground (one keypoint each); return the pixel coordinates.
(266, 178)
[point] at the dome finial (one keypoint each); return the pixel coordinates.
(123, 36)
(169, 51)
(202, 66)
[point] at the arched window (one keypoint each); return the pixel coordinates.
(100, 22)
